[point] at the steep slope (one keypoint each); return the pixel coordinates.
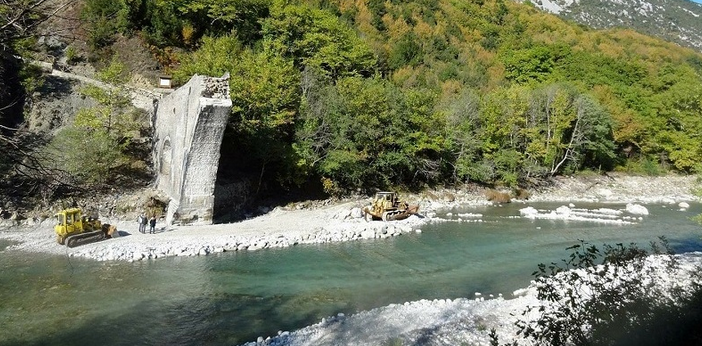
(672, 20)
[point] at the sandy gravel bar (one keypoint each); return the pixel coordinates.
(283, 227)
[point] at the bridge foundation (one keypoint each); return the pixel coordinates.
(188, 127)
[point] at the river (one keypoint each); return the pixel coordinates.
(234, 297)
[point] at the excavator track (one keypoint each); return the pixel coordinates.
(391, 215)
(85, 238)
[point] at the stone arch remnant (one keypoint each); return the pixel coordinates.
(188, 129)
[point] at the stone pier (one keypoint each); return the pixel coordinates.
(188, 128)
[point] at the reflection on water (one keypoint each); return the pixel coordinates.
(231, 298)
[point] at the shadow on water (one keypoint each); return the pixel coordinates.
(200, 321)
(691, 244)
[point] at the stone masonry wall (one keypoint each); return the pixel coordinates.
(188, 128)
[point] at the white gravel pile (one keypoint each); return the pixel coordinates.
(616, 188)
(629, 215)
(424, 322)
(276, 229)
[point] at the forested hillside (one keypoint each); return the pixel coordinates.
(408, 94)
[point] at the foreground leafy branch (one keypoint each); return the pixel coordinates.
(620, 295)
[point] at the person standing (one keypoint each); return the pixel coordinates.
(152, 224)
(141, 220)
(144, 220)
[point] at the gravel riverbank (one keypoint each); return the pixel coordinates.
(439, 322)
(284, 227)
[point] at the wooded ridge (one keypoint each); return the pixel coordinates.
(376, 94)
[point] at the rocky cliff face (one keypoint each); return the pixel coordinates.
(677, 21)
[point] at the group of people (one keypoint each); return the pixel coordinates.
(143, 220)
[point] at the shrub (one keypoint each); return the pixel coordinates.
(72, 55)
(521, 193)
(497, 196)
(331, 187)
(88, 157)
(618, 302)
(644, 167)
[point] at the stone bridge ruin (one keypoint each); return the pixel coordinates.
(188, 128)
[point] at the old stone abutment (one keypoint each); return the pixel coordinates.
(188, 128)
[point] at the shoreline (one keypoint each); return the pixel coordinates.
(342, 221)
(433, 322)
(461, 321)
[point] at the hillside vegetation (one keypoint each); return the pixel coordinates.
(672, 20)
(408, 94)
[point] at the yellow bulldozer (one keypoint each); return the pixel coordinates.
(73, 228)
(386, 206)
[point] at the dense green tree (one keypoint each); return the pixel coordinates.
(318, 39)
(89, 157)
(94, 149)
(502, 118)
(222, 16)
(378, 10)
(535, 64)
(366, 133)
(678, 110)
(104, 19)
(406, 51)
(164, 25)
(215, 57)
(392, 93)
(265, 100)
(463, 143)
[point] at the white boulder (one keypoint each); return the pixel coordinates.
(606, 193)
(530, 212)
(367, 234)
(636, 209)
(356, 213)
(563, 210)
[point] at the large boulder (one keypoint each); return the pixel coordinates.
(356, 213)
(636, 209)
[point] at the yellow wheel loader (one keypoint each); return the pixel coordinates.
(73, 228)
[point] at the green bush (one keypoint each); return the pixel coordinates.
(406, 51)
(72, 55)
(645, 167)
(87, 157)
(104, 19)
(612, 297)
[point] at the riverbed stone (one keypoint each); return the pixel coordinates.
(367, 234)
(356, 213)
(636, 209)
(343, 214)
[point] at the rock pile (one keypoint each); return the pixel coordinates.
(349, 230)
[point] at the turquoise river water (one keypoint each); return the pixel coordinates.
(234, 297)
